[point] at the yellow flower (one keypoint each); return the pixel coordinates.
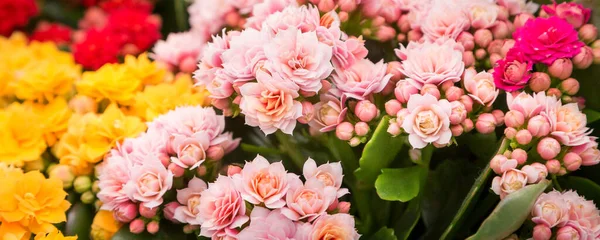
(43, 80)
(31, 200)
(148, 72)
(112, 82)
(104, 226)
(13, 231)
(54, 235)
(54, 118)
(115, 126)
(21, 135)
(159, 99)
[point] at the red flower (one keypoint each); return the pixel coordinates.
(134, 26)
(54, 32)
(15, 14)
(112, 5)
(98, 48)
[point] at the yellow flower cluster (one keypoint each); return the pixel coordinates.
(30, 203)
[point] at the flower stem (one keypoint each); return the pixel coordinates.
(180, 15)
(290, 148)
(555, 183)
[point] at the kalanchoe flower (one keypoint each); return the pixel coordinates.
(222, 209)
(428, 121)
(574, 13)
(445, 19)
(550, 209)
(511, 181)
(260, 11)
(481, 87)
(150, 181)
(329, 174)
(265, 224)
(361, 79)
(330, 111)
(189, 198)
(178, 47)
(208, 17)
(309, 201)
(568, 123)
(303, 18)
(513, 72)
(337, 226)
(245, 55)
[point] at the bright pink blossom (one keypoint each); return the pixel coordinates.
(513, 72)
(244, 56)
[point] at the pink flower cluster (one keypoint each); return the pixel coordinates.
(546, 137)
(135, 177)
(277, 204)
(572, 216)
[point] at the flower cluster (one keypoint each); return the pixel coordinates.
(15, 14)
(572, 216)
(58, 33)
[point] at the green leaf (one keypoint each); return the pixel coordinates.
(79, 221)
(399, 184)
(591, 115)
(384, 234)
(583, 186)
(379, 152)
(260, 150)
(409, 219)
(510, 213)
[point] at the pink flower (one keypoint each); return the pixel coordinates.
(299, 57)
(179, 46)
(329, 112)
(550, 209)
(445, 19)
(189, 198)
(483, 14)
(568, 124)
(346, 53)
(222, 209)
(149, 182)
(513, 72)
(582, 212)
(269, 104)
(264, 182)
(114, 174)
(330, 174)
(268, 225)
(211, 60)
(588, 152)
(244, 56)
(221, 84)
(125, 212)
(518, 6)
(337, 226)
(528, 105)
(511, 181)
(428, 121)
(244, 6)
(303, 18)
(361, 79)
(308, 201)
(191, 151)
(431, 62)
(574, 13)
(208, 17)
(481, 87)
(260, 11)
(543, 40)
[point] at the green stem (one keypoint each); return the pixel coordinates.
(471, 196)
(180, 15)
(555, 183)
(290, 148)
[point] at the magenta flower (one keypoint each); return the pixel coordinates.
(513, 72)
(574, 13)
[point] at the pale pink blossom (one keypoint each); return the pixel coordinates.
(208, 17)
(222, 209)
(535, 172)
(346, 53)
(582, 211)
(568, 124)
(245, 55)
(260, 11)
(329, 112)
(337, 226)
(261, 182)
(309, 201)
(527, 104)
(189, 198)
(221, 84)
(114, 174)
(268, 225)
(445, 19)
(210, 60)
(550, 209)
(518, 6)
(304, 18)
(299, 57)
(511, 181)
(330, 174)
(483, 14)
(590, 155)
(179, 46)
(431, 62)
(244, 6)
(428, 121)
(190, 151)
(149, 182)
(417, 12)
(269, 103)
(361, 79)
(481, 87)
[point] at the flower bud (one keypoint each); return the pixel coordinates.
(572, 161)
(538, 126)
(567, 233)
(561, 68)
(467, 101)
(347, 5)
(147, 212)
(431, 90)
(404, 91)
(500, 30)
(385, 33)
(307, 112)
(554, 92)
(344, 131)
(486, 123)
(215, 153)
(87, 197)
(535, 172)
(483, 37)
(523, 137)
(584, 58)
(548, 148)
(510, 133)
(392, 107)
(343, 15)
(514, 119)
(152, 227)
(570, 86)
(542, 232)
(499, 116)
(125, 212)
(520, 155)
(354, 142)
(64, 173)
(176, 170)
(468, 58)
(414, 35)
(480, 54)
(467, 40)
(82, 184)
(365, 110)
(596, 54)
(494, 58)
(588, 33)
(507, 46)
(553, 166)
(468, 125)
(188, 64)
(495, 47)
(361, 128)
(458, 113)
(137, 226)
(233, 170)
(539, 82)
(343, 207)
(96, 186)
(169, 211)
(457, 130)
(326, 5)
(454, 93)
(521, 19)
(501, 164)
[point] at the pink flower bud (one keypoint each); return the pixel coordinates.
(343, 207)
(562, 171)
(495, 47)
(365, 110)
(361, 128)
(561, 68)
(467, 101)
(483, 37)
(486, 123)
(523, 137)
(392, 107)
(520, 155)
(447, 85)
(393, 68)
(404, 23)
(572, 161)
(454, 93)
(467, 40)
(385, 33)
(393, 128)
(176, 170)
(169, 211)
(508, 44)
(137, 226)
(233, 170)
(501, 30)
(468, 58)
(414, 35)
(188, 64)
(125, 212)
(468, 125)
(480, 54)
(510, 133)
(344, 131)
(554, 92)
(570, 86)
(535, 172)
(343, 15)
(584, 58)
(347, 5)
(538, 126)
(548, 148)
(540, 81)
(503, 13)
(152, 227)
(148, 212)
(499, 116)
(401, 115)
(458, 113)
(215, 153)
(431, 90)
(404, 91)
(514, 119)
(596, 44)
(521, 19)
(354, 142)
(501, 164)
(494, 58)
(588, 33)
(553, 166)
(308, 112)
(542, 232)
(567, 233)
(507, 154)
